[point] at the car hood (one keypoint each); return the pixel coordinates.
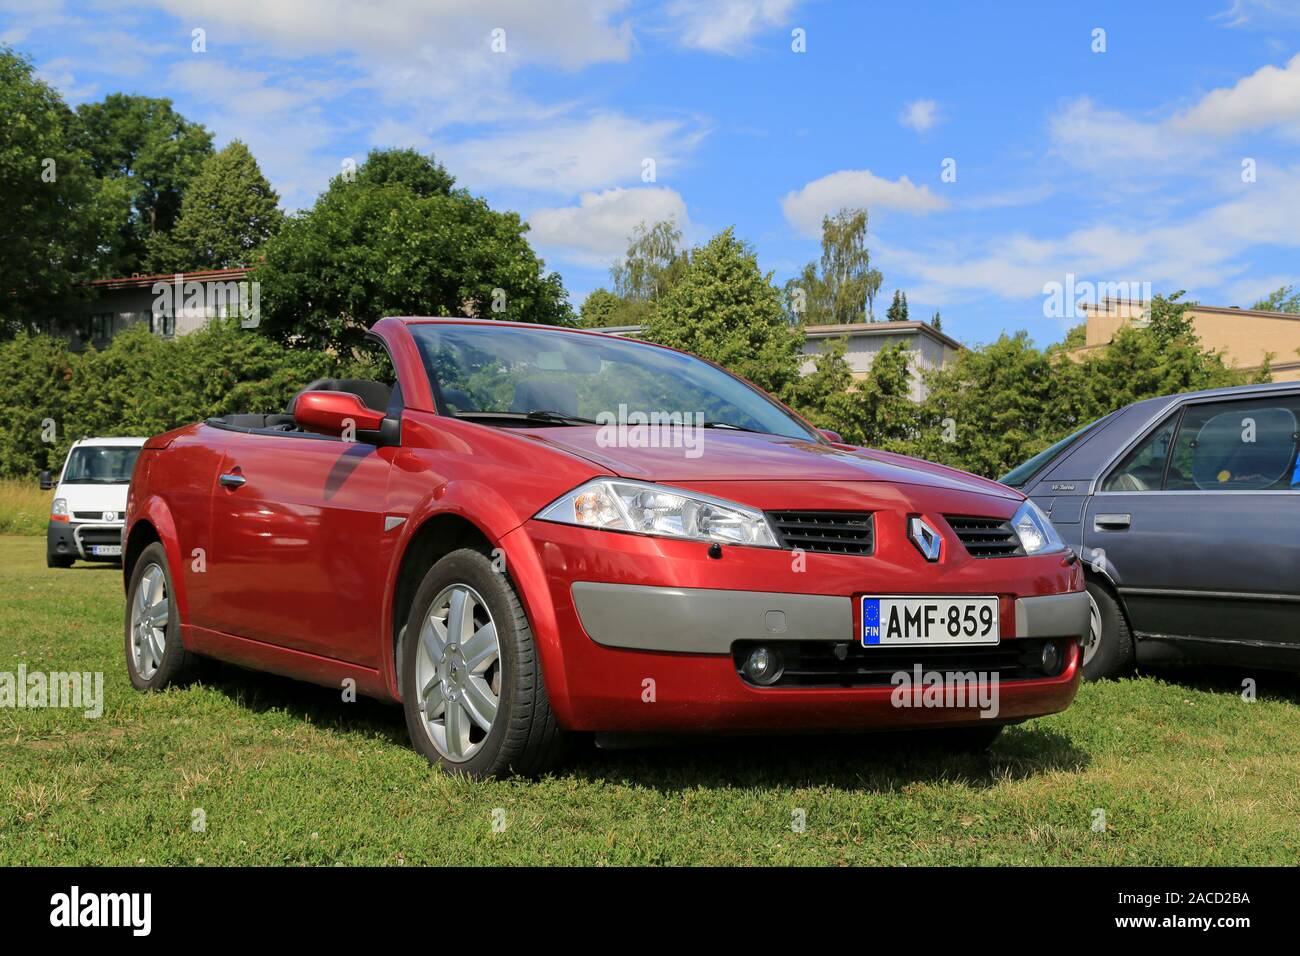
(723, 455)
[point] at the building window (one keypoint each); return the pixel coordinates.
(101, 327)
(162, 323)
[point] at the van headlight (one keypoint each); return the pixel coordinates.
(1035, 531)
(59, 509)
(643, 508)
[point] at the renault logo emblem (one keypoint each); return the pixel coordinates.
(110, 516)
(925, 538)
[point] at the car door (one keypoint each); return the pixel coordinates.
(1201, 522)
(298, 557)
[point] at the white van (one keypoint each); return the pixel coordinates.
(90, 501)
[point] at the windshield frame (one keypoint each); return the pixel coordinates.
(806, 430)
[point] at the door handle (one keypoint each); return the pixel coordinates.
(1111, 522)
(232, 480)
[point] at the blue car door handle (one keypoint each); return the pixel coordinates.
(1111, 522)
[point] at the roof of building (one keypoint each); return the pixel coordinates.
(1108, 304)
(146, 282)
(879, 328)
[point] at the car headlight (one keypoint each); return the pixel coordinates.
(643, 508)
(60, 508)
(1035, 531)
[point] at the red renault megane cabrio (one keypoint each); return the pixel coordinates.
(522, 533)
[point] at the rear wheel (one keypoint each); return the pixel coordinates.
(1108, 646)
(155, 657)
(472, 685)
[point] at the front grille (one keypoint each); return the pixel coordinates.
(816, 663)
(985, 537)
(93, 515)
(91, 537)
(829, 532)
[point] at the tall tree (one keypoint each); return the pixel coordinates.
(383, 244)
(229, 211)
(654, 261)
(936, 322)
(150, 151)
(725, 309)
(844, 289)
(53, 211)
(898, 308)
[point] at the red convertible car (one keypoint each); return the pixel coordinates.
(523, 533)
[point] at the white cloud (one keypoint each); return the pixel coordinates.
(596, 231)
(725, 26)
(854, 188)
(920, 115)
(1206, 250)
(1259, 13)
(569, 156)
(1268, 97)
(567, 33)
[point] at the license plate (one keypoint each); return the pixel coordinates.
(929, 621)
(106, 550)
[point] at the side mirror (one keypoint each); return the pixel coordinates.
(331, 413)
(47, 480)
(831, 436)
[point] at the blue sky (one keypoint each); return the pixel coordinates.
(1122, 166)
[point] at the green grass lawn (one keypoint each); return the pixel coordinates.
(1185, 770)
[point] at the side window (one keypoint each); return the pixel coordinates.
(1144, 467)
(1237, 446)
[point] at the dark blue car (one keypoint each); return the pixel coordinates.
(1186, 512)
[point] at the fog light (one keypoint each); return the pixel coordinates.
(763, 666)
(1051, 658)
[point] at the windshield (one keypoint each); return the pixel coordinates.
(1018, 476)
(101, 465)
(508, 373)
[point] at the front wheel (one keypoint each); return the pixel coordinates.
(472, 686)
(155, 657)
(1108, 646)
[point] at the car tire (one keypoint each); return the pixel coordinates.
(53, 560)
(155, 657)
(1113, 653)
(451, 683)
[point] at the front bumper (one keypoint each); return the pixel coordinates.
(636, 633)
(710, 621)
(74, 539)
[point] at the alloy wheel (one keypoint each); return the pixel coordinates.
(150, 614)
(1093, 639)
(458, 672)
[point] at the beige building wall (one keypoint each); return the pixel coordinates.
(1245, 336)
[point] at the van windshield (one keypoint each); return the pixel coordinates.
(101, 465)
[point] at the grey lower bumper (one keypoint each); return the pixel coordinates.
(703, 620)
(1053, 615)
(708, 621)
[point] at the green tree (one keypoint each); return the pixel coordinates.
(898, 308)
(389, 243)
(876, 410)
(1284, 299)
(653, 263)
(723, 308)
(53, 212)
(228, 213)
(845, 288)
(35, 371)
(936, 322)
(149, 152)
(601, 308)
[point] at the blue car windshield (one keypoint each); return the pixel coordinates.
(1019, 476)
